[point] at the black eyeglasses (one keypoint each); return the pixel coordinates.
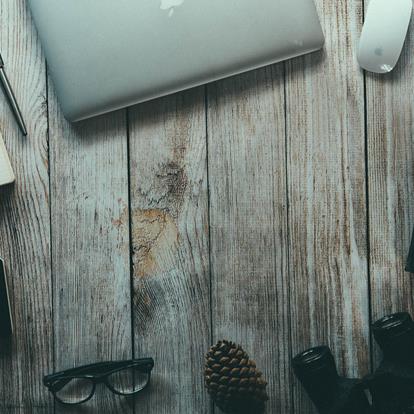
(77, 385)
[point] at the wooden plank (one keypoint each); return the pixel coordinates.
(170, 241)
(390, 108)
(327, 197)
(90, 239)
(247, 176)
(25, 221)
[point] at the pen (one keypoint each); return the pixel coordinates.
(11, 97)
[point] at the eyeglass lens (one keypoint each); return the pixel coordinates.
(75, 391)
(125, 382)
(128, 381)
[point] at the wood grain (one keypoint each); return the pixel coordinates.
(24, 221)
(170, 249)
(390, 109)
(248, 213)
(327, 197)
(90, 246)
(250, 220)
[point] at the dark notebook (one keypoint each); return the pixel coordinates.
(410, 260)
(6, 326)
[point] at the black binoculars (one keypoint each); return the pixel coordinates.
(392, 385)
(331, 394)
(390, 390)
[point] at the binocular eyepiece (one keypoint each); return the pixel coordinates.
(395, 336)
(315, 360)
(390, 390)
(317, 371)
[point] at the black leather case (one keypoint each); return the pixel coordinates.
(410, 260)
(6, 325)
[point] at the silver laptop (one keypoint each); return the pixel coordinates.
(108, 54)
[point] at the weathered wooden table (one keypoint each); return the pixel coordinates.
(272, 208)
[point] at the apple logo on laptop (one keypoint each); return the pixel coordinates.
(170, 5)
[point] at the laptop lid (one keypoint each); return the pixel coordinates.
(104, 54)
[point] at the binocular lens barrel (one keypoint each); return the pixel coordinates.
(316, 370)
(315, 364)
(393, 331)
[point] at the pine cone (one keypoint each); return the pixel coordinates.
(233, 380)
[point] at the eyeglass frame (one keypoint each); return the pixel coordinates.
(98, 373)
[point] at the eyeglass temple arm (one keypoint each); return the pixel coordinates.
(92, 368)
(99, 368)
(103, 367)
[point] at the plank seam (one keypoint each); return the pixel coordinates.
(212, 408)
(130, 241)
(52, 285)
(288, 267)
(368, 215)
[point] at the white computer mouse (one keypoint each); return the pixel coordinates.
(383, 35)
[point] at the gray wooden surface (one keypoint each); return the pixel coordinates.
(272, 209)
